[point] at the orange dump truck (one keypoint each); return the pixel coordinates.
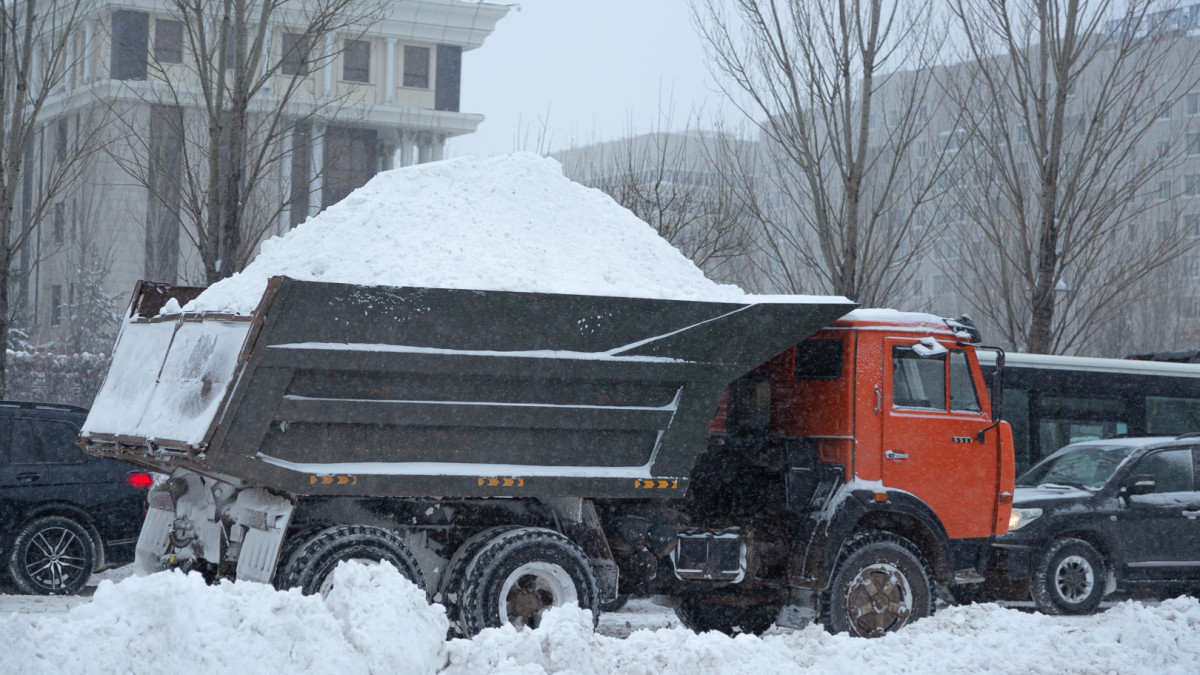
(509, 452)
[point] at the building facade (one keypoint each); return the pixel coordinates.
(329, 109)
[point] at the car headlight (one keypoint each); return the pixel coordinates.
(1022, 517)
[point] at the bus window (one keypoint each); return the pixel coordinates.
(1165, 415)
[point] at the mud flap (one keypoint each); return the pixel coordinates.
(266, 518)
(153, 541)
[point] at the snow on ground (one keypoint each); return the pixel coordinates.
(511, 223)
(375, 621)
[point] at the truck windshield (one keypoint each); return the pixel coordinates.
(1087, 466)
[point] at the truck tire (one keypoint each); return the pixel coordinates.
(1069, 579)
(310, 567)
(881, 583)
(519, 574)
(700, 614)
(450, 590)
(51, 555)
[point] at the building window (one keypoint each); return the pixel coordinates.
(1165, 109)
(1164, 190)
(416, 67)
(168, 41)
(1193, 104)
(56, 304)
(356, 61)
(61, 139)
(893, 117)
(1193, 144)
(130, 33)
(1191, 185)
(60, 222)
(296, 51)
(1191, 225)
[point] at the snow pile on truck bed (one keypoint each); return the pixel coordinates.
(376, 622)
(509, 223)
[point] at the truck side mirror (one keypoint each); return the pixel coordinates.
(1142, 484)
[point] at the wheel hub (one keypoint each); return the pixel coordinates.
(1074, 578)
(878, 600)
(533, 588)
(55, 558)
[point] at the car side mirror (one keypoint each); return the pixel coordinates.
(1142, 484)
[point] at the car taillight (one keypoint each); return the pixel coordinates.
(139, 480)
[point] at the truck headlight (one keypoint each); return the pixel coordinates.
(1022, 517)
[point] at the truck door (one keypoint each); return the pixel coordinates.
(931, 415)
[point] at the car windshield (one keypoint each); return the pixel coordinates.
(1087, 466)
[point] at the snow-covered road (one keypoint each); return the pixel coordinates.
(374, 621)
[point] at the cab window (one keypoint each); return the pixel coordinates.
(918, 382)
(963, 397)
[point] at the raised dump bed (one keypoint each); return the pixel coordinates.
(335, 389)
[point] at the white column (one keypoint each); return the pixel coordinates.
(35, 63)
(318, 166)
(405, 148)
(87, 51)
(329, 66)
(285, 182)
(266, 56)
(439, 148)
(391, 71)
(424, 148)
(69, 66)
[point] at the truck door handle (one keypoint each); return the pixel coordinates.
(28, 477)
(892, 454)
(1191, 514)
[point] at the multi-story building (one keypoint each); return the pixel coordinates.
(370, 95)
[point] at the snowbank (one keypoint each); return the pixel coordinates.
(374, 621)
(511, 223)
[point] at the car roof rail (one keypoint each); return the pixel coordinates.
(1190, 434)
(34, 405)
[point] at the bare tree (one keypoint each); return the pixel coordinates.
(229, 99)
(37, 162)
(840, 93)
(687, 185)
(1065, 151)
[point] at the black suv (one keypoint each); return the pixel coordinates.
(1099, 516)
(63, 514)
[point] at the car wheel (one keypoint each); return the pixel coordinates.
(519, 574)
(310, 567)
(52, 555)
(1070, 578)
(882, 583)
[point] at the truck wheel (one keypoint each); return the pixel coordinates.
(699, 613)
(52, 555)
(518, 574)
(450, 590)
(1070, 578)
(882, 582)
(310, 567)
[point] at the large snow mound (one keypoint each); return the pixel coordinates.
(375, 621)
(511, 223)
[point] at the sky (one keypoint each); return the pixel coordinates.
(561, 73)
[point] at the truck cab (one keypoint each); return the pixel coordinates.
(880, 435)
